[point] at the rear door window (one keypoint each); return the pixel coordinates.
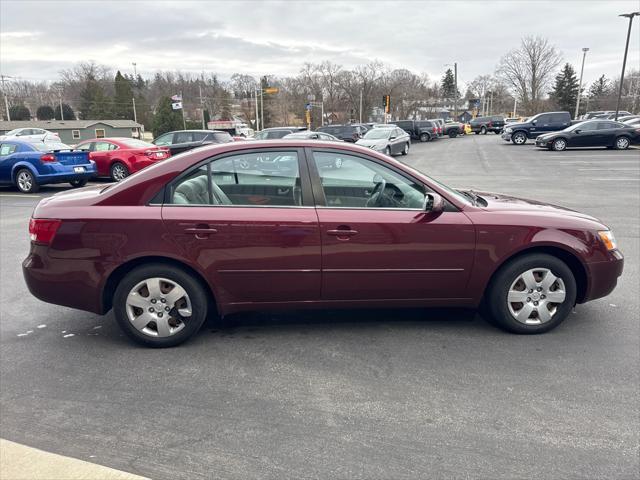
(103, 146)
(7, 149)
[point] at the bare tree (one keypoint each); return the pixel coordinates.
(529, 69)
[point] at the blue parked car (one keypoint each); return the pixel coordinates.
(28, 165)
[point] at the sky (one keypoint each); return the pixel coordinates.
(40, 38)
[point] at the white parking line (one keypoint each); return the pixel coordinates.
(609, 169)
(19, 195)
(623, 179)
(616, 156)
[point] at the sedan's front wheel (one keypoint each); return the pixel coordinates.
(160, 305)
(531, 294)
(559, 145)
(622, 143)
(405, 150)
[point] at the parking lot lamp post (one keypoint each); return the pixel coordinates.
(584, 54)
(624, 61)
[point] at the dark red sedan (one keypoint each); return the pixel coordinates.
(118, 157)
(266, 225)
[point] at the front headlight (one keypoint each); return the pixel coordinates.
(509, 130)
(608, 239)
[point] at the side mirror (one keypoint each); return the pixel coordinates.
(433, 203)
(577, 130)
(392, 137)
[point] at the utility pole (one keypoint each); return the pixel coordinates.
(184, 122)
(584, 54)
(135, 71)
(135, 115)
(257, 122)
(204, 127)
(624, 61)
(4, 94)
(455, 93)
(515, 105)
(261, 107)
(360, 105)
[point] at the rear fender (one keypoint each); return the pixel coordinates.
(20, 165)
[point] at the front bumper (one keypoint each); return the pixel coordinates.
(603, 276)
(541, 142)
(506, 136)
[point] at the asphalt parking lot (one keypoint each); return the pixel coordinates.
(355, 394)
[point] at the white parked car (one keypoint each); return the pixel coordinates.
(31, 135)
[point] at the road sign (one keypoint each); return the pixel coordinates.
(271, 90)
(308, 106)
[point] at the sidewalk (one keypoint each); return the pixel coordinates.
(19, 462)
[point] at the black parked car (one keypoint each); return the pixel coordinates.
(483, 125)
(423, 130)
(539, 124)
(348, 133)
(591, 133)
(183, 140)
(275, 133)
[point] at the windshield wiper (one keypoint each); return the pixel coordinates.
(470, 194)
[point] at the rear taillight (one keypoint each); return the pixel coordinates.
(48, 157)
(42, 230)
(434, 129)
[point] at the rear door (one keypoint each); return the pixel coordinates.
(378, 242)
(6, 161)
(253, 232)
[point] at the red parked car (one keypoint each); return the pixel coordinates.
(119, 157)
(203, 234)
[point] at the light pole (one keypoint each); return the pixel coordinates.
(624, 61)
(135, 71)
(584, 54)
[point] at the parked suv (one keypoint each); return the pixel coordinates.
(183, 140)
(348, 133)
(423, 130)
(483, 125)
(276, 133)
(518, 133)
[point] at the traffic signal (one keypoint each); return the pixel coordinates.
(386, 101)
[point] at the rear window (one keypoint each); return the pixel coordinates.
(50, 146)
(133, 143)
(222, 137)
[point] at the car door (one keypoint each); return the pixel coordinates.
(253, 232)
(606, 133)
(100, 153)
(6, 161)
(585, 135)
(375, 248)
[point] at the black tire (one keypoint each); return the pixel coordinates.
(476, 133)
(197, 295)
(405, 150)
(453, 133)
(387, 151)
(519, 138)
(25, 181)
(79, 183)
(425, 137)
(118, 171)
(483, 130)
(559, 145)
(622, 143)
(497, 307)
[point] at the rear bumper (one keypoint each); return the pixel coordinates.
(62, 282)
(58, 173)
(603, 276)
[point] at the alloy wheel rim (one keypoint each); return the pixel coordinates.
(25, 182)
(623, 143)
(158, 307)
(406, 149)
(519, 138)
(560, 144)
(119, 172)
(535, 295)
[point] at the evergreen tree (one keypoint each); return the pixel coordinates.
(122, 101)
(94, 104)
(166, 118)
(45, 112)
(565, 90)
(19, 112)
(207, 117)
(225, 105)
(68, 112)
(600, 88)
(448, 84)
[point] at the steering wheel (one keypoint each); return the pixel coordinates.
(375, 200)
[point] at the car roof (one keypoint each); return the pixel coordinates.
(195, 131)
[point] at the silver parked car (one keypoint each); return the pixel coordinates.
(391, 141)
(31, 135)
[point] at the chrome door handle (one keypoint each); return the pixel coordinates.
(201, 233)
(342, 233)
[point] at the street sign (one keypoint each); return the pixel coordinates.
(271, 90)
(308, 106)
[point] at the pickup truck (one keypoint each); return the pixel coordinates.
(483, 125)
(546, 122)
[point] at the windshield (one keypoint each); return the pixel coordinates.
(134, 143)
(12, 132)
(577, 125)
(378, 134)
(51, 146)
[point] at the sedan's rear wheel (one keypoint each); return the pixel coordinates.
(26, 182)
(559, 144)
(532, 294)
(159, 305)
(622, 143)
(119, 171)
